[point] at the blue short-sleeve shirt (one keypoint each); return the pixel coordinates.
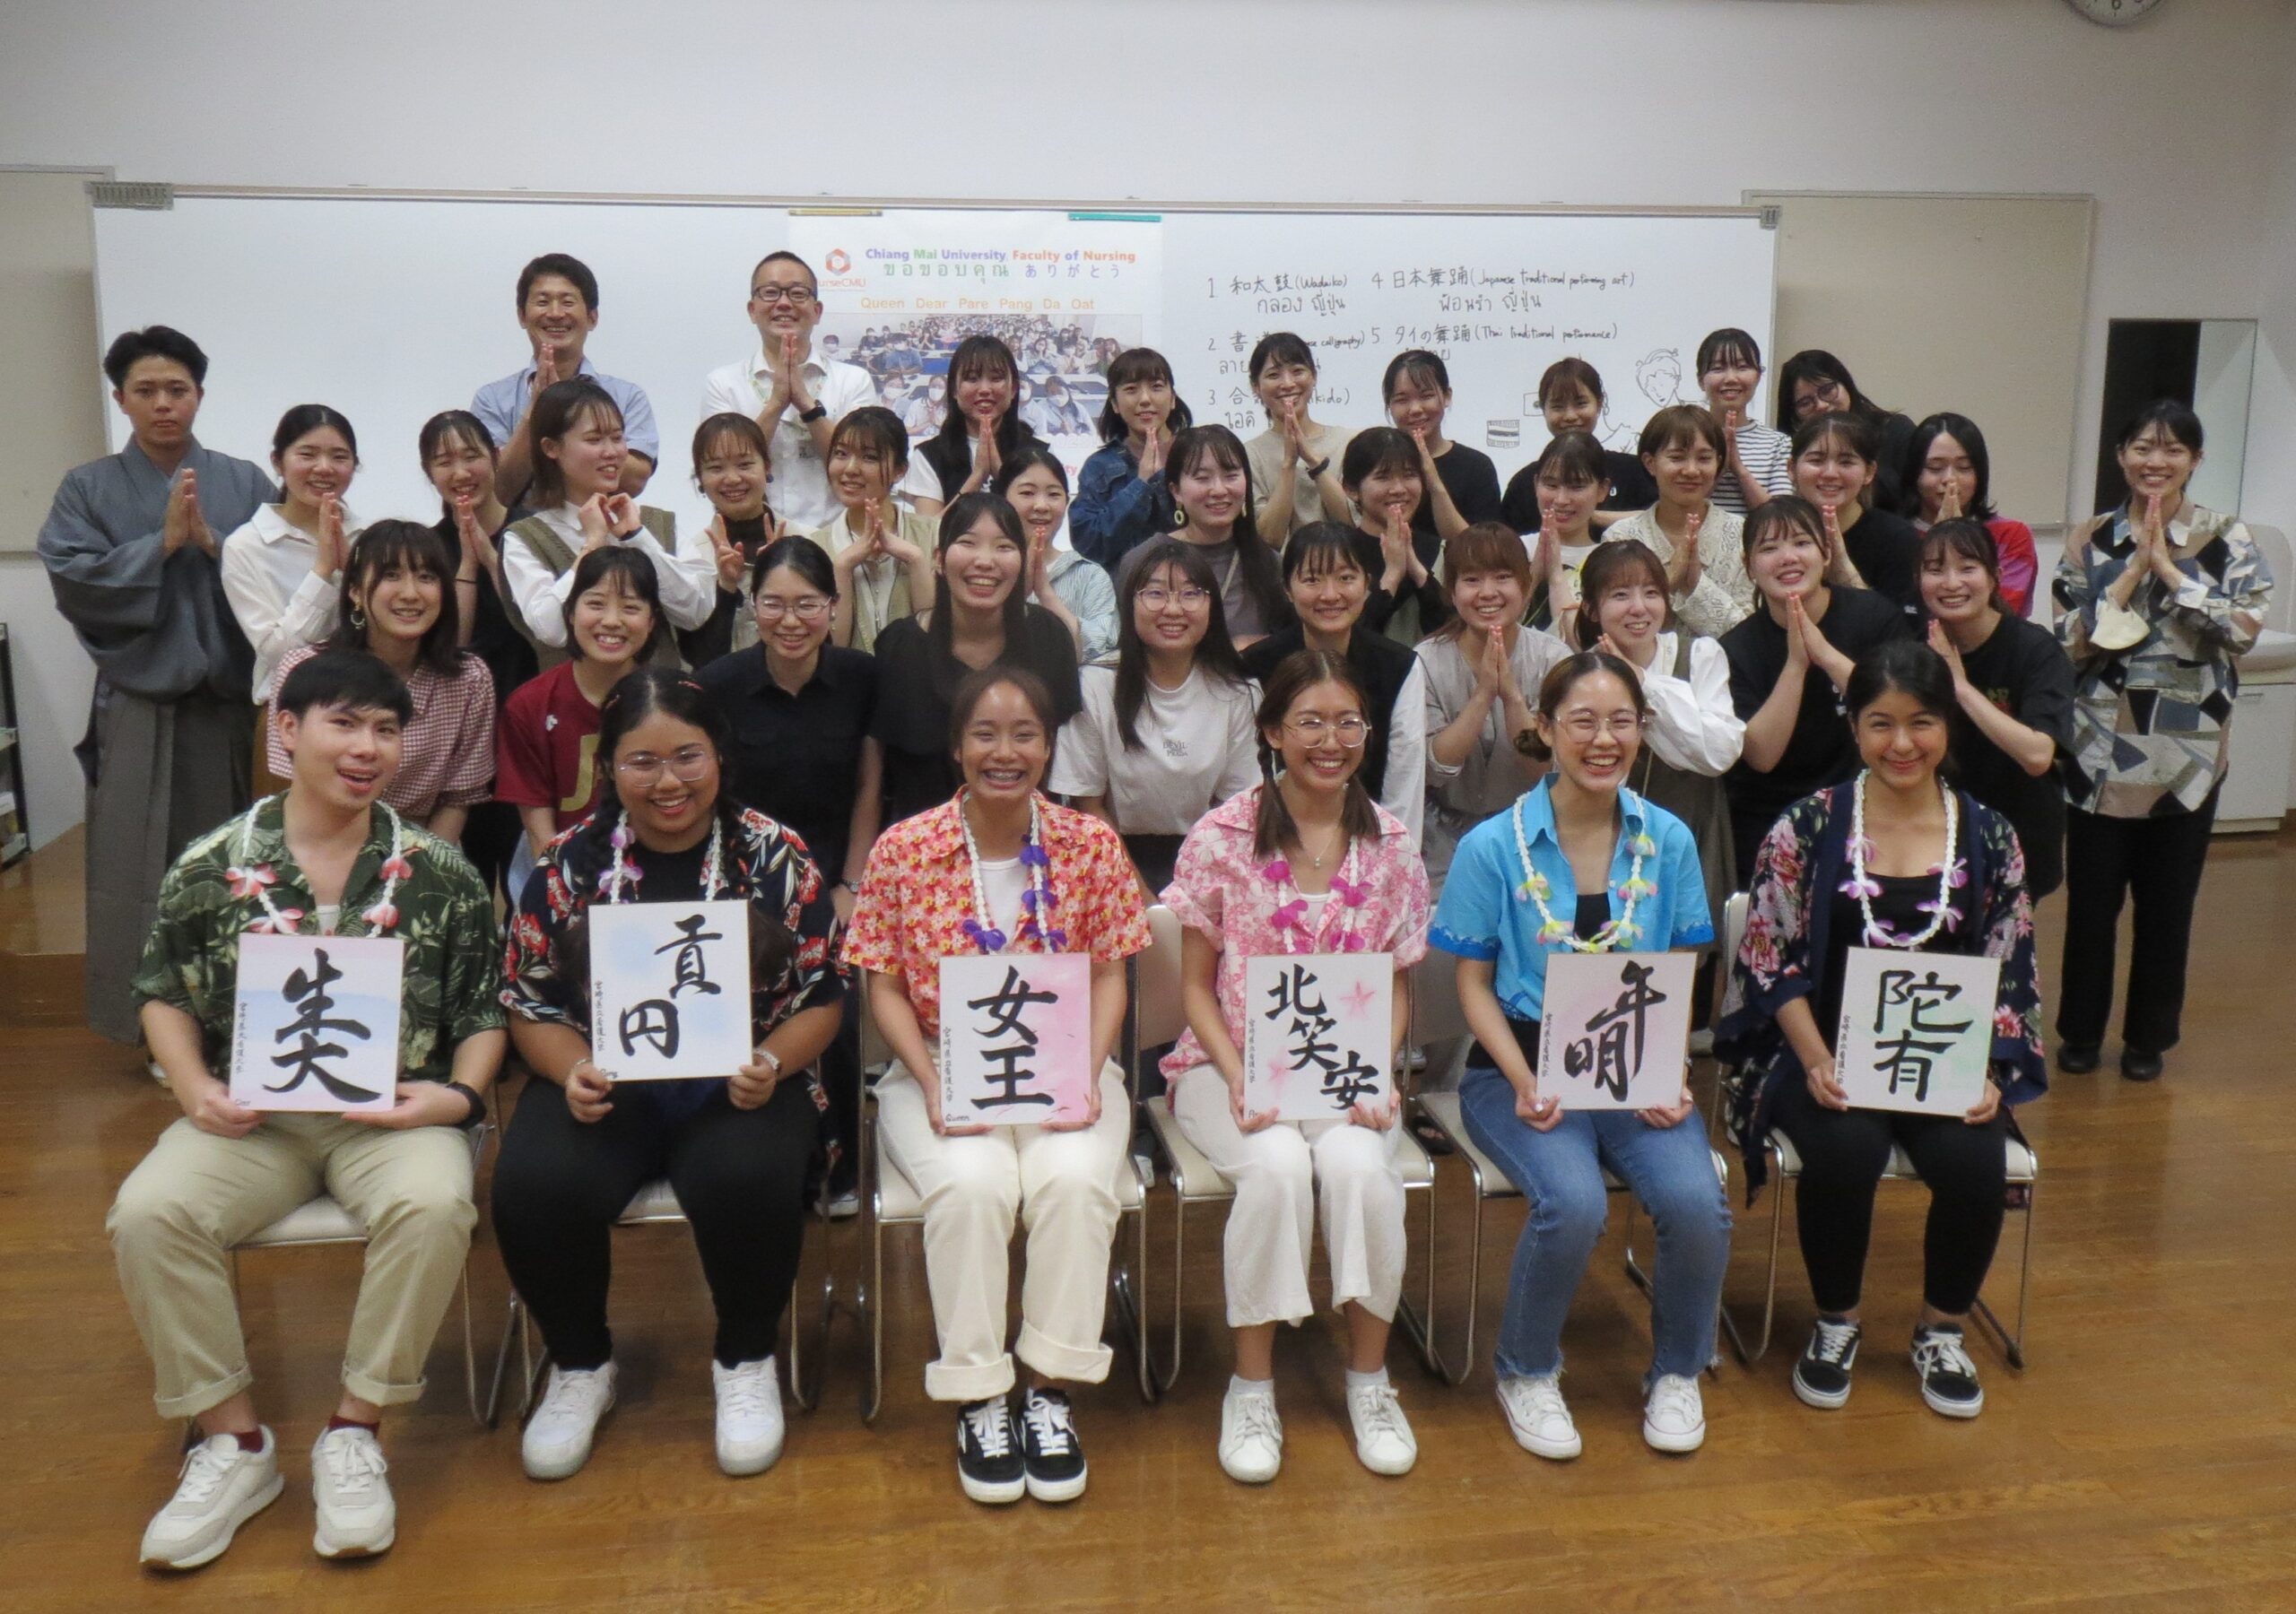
(1487, 913)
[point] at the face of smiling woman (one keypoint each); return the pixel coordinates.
(665, 772)
(1595, 732)
(1005, 748)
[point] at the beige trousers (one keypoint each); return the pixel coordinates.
(195, 1195)
(1062, 1186)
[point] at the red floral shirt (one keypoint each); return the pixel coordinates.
(917, 895)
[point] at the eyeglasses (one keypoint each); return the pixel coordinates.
(1349, 732)
(782, 294)
(813, 608)
(1188, 598)
(689, 765)
(1583, 727)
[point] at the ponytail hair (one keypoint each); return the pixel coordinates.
(1294, 675)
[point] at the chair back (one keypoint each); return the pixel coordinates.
(1436, 1015)
(1734, 932)
(1164, 1015)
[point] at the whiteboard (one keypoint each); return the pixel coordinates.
(391, 308)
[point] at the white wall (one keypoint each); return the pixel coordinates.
(2174, 125)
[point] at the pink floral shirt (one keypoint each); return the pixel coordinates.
(1247, 906)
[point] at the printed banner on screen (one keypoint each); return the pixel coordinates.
(316, 1023)
(1615, 1029)
(670, 989)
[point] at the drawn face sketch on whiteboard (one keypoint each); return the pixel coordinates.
(1659, 375)
(1613, 433)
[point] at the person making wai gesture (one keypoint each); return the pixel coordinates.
(1948, 471)
(1754, 456)
(1076, 591)
(1303, 862)
(2013, 682)
(983, 429)
(730, 466)
(1700, 543)
(558, 309)
(882, 553)
(795, 396)
(1788, 663)
(282, 570)
(1834, 468)
(1582, 864)
(2159, 599)
(1462, 483)
(1481, 671)
(1381, 475)
(1123, 498)
(1295, 462)
(999, 869)
(578, 452)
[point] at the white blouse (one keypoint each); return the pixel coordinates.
(688, 581)
(280, 602)
(1694, 725)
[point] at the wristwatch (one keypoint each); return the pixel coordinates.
(470, 1096)
(819, 411)
(1316, 471)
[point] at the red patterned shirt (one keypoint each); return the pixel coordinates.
(910, 911)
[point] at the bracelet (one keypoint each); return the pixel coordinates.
(1316, 471)
(471, 1097)
(771, 1058)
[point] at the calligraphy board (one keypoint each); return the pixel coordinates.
(1016, 1039)
(670, 989)
(1917, 1029)
(1319, 1034)
(314, 1023)
(1614, 1031)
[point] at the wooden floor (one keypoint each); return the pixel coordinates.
(2146, 1460)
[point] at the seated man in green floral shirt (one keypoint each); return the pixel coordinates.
(325, 857)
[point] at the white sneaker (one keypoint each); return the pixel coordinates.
(357, 1517)
(220, 1488)
(557, 1442)
(846, 1205)
(748, 1415)
(1251, 1436)
(1383, 1437)
(1535, 1412)
(1673, 1419)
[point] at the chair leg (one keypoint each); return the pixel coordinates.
(875, 1304)
(1125, 1297)
(502, 1363)
(1419, 1323)
(1422, 1329)
(1168, 1376)
(2012, 1345)
(470, 1355)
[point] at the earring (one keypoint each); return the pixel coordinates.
(358, 620)
(1179, 519)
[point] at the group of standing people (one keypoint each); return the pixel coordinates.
(1321, 691)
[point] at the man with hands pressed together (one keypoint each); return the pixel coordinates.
(130, 545)
(558, 309)
(325, 857)
(796, 396)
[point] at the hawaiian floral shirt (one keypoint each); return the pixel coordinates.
(915, 900)
(443, 913)
(764, 863)
(1803, 859)
(1248, 908)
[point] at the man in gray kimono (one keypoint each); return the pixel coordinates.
(131, 546)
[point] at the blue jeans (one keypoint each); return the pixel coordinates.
(1669, 1169)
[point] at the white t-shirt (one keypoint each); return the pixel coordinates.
(1004, 880)
(799, 495)
(1197, 747)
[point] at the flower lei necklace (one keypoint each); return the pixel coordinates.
(1036, 902)
(1866, 888)
(619, 876)
(1619, 931)
(248, 878)
(1291, 917)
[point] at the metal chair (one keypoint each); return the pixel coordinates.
(1195, 1180)
(323, 1221)
(891, 1200)
(2024, 1179)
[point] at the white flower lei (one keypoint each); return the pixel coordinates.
(1621, 931)
(619, 876)
(1866, 888)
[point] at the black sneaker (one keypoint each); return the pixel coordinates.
(1948, 1377)
(1821, 1377)
(988, 1452)
(1053, 1455)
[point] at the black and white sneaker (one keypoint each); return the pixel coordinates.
(1821, 1377)
(988, 1452)
(1948, 1377)
(1053, 1455)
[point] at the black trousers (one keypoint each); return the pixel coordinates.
(1843, 1153)
(740, 1176)
(842, 1078)
(2156, 862)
